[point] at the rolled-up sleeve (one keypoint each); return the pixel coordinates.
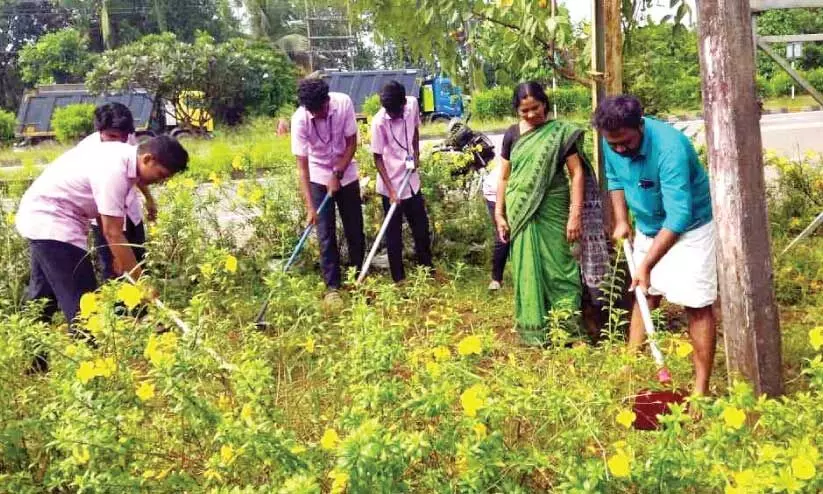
(675, 189)
(110, 188)
(613, 182)
(349, 118)
(377, 142)
(299, 136)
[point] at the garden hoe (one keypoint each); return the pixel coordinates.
(385, 226)
(259, 322)
(649, 404)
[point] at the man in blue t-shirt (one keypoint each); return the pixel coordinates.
(653, 168)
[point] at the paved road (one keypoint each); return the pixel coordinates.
(790, 134)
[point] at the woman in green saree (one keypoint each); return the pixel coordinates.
(545, 203)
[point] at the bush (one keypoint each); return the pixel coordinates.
(685, 92)
(372, 105)
(815, 78)
(492, 104)
(7, 124)
(780, 84)
(73, 122)
(575, 99)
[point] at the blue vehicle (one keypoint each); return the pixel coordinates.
(439, 99)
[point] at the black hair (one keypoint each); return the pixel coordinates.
(113, 116)
(312, 94)
(618, 112)
(526, 89)
(393, 97)
(168, 152)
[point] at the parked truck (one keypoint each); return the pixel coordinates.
(439, 99)
(37, 109)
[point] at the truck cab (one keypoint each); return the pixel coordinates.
(441, 100)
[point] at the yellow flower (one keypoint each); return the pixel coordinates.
(620, 464)
(149, 474)
(339, 481)
(145, 391)
(223, 403)
(480, 430)
(86, 372)
(745, 479)
(81, 454)
(256, 195)
(684, 349)
(246, 413)
(816, 337)
(207, 269)
(298, 449)
(473, 399)
(469, 345)
(160, 350)
(733, 490)
(212, 474)
(309, 344)
(330, 440)
(433, 368)
(188, 183)
(626, 418)
(216, 180)
(231, 264)
(72, 350)
(227, 454)
(88, 304)
(733, 417)
(10, 219)
(129, 295)
(237, 162)
(803, 468)
(442, 353)
(95, 324)
(105, 367)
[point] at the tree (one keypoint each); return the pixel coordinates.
(21, 23)
(232, 77)
(56, 58)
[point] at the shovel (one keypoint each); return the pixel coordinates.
(385, 226)
(259, 322)
(649, 404)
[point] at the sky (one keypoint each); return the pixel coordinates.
(582, 9)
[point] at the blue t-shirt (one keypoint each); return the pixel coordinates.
(665, 184)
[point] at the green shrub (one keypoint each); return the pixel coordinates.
(575, 99)
(7, 123)
(781, 84)
(492, 104)
(73, 122)
(685, 92)
(372, 105)
(815, 78)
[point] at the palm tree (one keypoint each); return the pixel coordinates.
(279, 22)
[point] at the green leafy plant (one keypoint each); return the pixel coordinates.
(73, 122)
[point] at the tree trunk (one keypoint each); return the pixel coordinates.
(105, 25)
(614, 46)
(735, 152)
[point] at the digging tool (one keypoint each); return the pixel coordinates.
(649, 404)
(805, 233)
(385, 226)
(259, 322)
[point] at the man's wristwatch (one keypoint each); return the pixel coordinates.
(338, 174)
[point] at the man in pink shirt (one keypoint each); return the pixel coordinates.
(56, 211)
(324, 140)
(395, 140)
(115, 123)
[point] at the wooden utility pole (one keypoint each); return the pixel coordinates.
(735, 152)
(612, 18)
(598, 72)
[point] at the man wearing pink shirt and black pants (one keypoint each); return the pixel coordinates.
(324, 140)
(395, 140)
(56, 211)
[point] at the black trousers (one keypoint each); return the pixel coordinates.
(135, 235)
(61, 273)
(351, 214)
(414, 209)
(501, 249)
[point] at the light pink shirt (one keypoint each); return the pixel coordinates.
(134, 203)
(74, 189)
(394, 140)
(323, 140)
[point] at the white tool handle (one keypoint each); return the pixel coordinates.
(648, 324)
